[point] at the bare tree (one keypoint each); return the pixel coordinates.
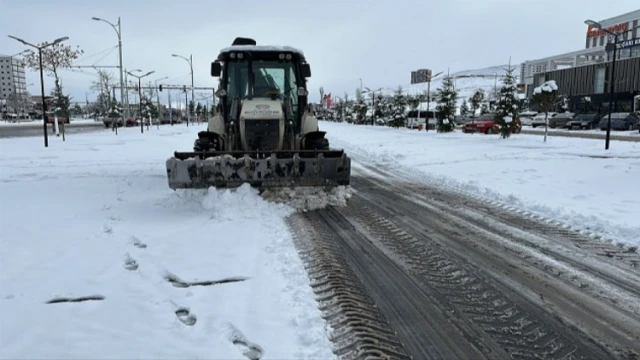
(54, 58)
(102, 86)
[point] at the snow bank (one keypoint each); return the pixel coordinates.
(155, 274)
(571, 180)
(309, 198)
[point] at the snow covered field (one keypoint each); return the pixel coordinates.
(200, 274)
(567, 179)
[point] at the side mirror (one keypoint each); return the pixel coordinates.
(216, 69)
(306, 70)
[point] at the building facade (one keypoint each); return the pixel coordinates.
(592, 81)
(595, 51)
(13, 86)
(627, 25)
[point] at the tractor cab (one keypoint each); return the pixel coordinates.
(247, 71)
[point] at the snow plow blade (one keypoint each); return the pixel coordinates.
(224, 169)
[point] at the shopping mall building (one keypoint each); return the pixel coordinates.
(586, 72)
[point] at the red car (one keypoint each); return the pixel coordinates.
(486, 124)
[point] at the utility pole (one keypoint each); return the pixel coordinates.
(118, 31)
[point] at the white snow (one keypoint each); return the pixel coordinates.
(548, 86)
(262, 48)
(94, 216)
(571, 180)
(309, 198)
(508, 119)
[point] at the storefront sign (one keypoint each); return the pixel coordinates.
(628, 43)
(591, 32)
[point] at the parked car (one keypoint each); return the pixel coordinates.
(538, 120)
(585, 121)
(620, 121)
(486, 124)
(562, 120)
(527, 117)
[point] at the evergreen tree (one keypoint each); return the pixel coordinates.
(360, 109)
(61, 103)
(115, 110)
(464, 108)
(199, 109)
(398, 109)
(476, 101)
(149, 110)
(192, 108)
(507, 108)
(445, 110)
(484, 108)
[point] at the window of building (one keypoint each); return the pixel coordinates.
(601, 40)
(593, 42)
(598, 80)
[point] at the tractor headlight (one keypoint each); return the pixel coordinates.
(281, 56)
(240, 55)
(288, 56)
(232, 55)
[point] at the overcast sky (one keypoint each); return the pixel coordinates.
(380, 42)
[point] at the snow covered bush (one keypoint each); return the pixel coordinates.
(476, 102)
(446, 108)
(545, 97)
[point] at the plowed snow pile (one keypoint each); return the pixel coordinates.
(309, 198)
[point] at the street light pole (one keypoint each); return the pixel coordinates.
(599, 26)
(158, 93)
(139, 77)
(118, 31)
(193, 97)
(44, 104)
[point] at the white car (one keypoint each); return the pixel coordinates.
(538, 120)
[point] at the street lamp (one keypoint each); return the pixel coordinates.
(44, 105)
(598, 26)
(158, 93)
(190, 61)
(426, 123)
(373, 103)
(139, 77)
(119, 33)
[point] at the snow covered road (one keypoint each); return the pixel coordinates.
(200, 274)
(574, 181)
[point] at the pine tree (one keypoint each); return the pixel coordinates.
(398, 109)
(360, 109)
(445, 110)
(464, 108)
(484, 108)
(507, 109)
(61, 103)
(192, 108)
(476, 101)
(115, 110)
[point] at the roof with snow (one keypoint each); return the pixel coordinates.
(267, 48)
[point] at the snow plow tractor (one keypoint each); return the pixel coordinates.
(263, 131)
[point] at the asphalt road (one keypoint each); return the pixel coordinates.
(11, 131)
(408, 269)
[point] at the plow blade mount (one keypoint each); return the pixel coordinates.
(200, 170)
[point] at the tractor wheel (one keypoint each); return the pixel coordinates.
(319, 144)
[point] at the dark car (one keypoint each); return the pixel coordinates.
(561, 120)
(585, 121)
(620, 121)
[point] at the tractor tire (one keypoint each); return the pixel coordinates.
(319, 144)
